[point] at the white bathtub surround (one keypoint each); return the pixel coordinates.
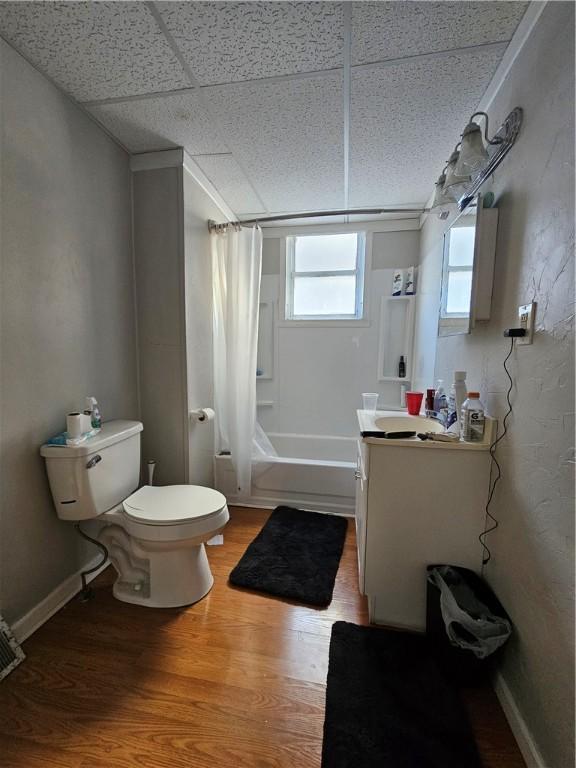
(315, 372)
(313, 472)
(236, 269)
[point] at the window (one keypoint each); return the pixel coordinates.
(458, 266)
(325, 277)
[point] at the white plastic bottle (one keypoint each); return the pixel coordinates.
(472, 419)
(441, 402)
(94, 411)
(458, 393)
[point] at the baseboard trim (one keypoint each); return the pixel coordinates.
(255, 503)
(64, 592)
(528, 747)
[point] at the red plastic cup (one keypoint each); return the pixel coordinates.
(414, 402)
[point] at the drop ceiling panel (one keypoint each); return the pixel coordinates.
(288, 135)
(227, 41)
(229, 179)
(94, 50)
(145, 125)
(405, 122)
(389, 30)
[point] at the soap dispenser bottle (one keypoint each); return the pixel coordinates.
(94, 411)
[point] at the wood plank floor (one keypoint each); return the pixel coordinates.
(237, 680)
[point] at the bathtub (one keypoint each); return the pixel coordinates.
(310, 472)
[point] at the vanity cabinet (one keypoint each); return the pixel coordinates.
(361, 510)
(417, 503)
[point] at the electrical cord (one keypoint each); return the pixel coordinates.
(490, 527)
(86, 593)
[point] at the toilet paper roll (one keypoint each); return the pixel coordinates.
(202, 415)
(74, 425)
(86, 423)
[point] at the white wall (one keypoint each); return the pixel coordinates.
(321, 371)
(66, 312)
(532, 565)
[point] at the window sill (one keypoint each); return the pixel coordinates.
(363, 323)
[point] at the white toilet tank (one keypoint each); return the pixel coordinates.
(93, 477)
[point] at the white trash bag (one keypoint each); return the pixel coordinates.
(469, 623)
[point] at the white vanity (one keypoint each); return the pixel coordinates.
(417, 503)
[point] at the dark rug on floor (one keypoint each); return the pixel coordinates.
(388, 706)
(295, 555)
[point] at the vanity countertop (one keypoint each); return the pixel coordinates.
(367, 423)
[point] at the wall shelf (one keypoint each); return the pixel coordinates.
(396, 337)
(265, 357)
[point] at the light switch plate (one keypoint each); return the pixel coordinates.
(527, 320)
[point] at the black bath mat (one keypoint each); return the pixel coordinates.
(295, 555)
(388, 706)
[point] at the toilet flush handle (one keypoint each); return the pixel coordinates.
(93, 461)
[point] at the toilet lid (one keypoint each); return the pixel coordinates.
(162, 505)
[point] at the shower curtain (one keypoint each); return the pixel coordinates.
(236, 271)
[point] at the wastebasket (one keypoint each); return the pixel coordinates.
(466, 624)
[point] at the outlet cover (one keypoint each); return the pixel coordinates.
(527, 320)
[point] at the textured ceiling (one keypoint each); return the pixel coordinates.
(227, 42)
(94, 50)
(266, 96)
(399, 113)
(387, 30)
(288, 135)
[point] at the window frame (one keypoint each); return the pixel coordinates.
(289, 275)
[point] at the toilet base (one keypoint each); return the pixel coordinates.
(168, 579)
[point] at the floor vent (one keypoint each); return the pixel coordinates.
(10, 652)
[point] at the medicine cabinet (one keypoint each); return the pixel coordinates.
(468, 269)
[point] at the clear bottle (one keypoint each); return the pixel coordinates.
(441, 402)
(472, 419)
(94, 411)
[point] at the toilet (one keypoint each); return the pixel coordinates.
(155, 534)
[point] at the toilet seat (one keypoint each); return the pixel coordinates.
(173, 504)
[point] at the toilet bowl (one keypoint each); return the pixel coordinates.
(154, 535)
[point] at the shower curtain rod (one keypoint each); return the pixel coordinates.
(212, 225)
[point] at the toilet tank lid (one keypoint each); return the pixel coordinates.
(111, 432)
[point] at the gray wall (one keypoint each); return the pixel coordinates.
(174, 300)
(532, 568)
(158, 248)
(67, 312)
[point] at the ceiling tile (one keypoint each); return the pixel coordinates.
(226, 41)
(399, 143)
(389, 30)
(229, 179)
(289, 135)
(178, 120)
(94, 50)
